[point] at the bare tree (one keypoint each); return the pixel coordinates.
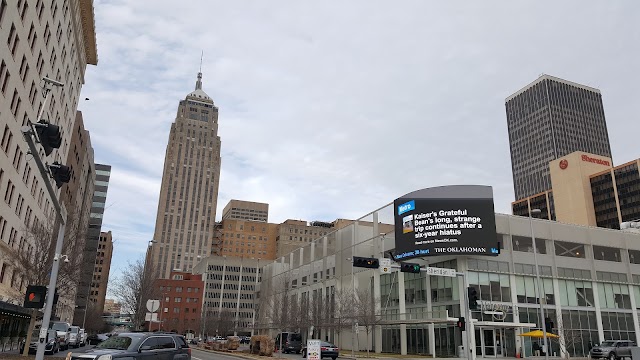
(365, 311)
(93, 321)
(341, 311)
(133, 288)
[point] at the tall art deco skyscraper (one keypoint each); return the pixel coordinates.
(189, 192)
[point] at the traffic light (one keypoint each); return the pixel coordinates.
(35, 296)
(548, 325)
(371, 263)
(60, 173)
(49, 136)
(473, 298)
(461, 324)
(409, 268)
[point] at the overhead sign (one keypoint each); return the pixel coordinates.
(385, 265)
(441, 272)
(313, 350)
(446, 220)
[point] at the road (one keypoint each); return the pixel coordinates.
(206, 355)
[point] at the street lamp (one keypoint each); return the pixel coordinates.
(541, 292)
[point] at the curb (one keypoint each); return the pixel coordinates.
(233, 354)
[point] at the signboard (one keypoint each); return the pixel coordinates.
(385, 265)
(153, 305)
(446, 220)
(441, 272)
(313, 350)
(151, 317)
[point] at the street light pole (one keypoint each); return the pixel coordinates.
(541, 292)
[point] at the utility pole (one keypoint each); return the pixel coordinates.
(48, 136)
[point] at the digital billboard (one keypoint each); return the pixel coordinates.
(446, 220)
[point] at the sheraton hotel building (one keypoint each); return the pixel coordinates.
(590, 289)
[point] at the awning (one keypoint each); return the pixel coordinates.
(12, 309)
(539, 334)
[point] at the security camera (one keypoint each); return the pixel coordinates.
(52, 82)
(66, 259)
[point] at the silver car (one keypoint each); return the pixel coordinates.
(613, 350)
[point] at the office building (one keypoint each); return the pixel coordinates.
(180, 303)
(588, 190)
(112, 307)
(293, 234)
(230, 294)
(246, 210)
(54, 39)
(589, 291)
(185, 223)
(548, 119)
(101, 269)
(248, 238)
(98, 204)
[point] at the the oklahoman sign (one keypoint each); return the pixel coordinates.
(446, 220)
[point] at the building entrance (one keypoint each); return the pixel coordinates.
(492, 342)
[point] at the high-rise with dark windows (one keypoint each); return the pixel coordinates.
(185, 223)
(548, 119)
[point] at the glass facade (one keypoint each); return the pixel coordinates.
(584, 290)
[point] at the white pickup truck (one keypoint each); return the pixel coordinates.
(62, 329)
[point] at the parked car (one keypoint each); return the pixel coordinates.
(83, 337)
(291, 342)
(75, 337)
(51, 346)
(245, 339)
(63, 333)
(612, 350)
(140, 346)
(327, 350)
(96, 339)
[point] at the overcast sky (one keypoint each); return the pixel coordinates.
(331, 109)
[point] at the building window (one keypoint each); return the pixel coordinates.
(521, 243)
(569, 249)
(606, 253)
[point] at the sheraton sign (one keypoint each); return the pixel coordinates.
(588, 158)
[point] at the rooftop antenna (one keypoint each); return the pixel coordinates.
(199, 82)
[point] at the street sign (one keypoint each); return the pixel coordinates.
(385, 265)
(313, 350)
(440, 271)
(153, 305)
(151, 317)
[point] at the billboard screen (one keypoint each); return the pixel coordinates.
(446, 220)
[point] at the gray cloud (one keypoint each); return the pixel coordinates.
(332, 109)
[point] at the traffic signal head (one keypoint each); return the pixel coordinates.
(35, 296)
(49, 136)
(473, 297)
(60, 173)
(371, 263)
(461, 324)
(409, 268)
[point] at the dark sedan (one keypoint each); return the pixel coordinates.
(50, 348)
(96, 339)
(327, 350)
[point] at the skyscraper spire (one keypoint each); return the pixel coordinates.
(199, 82)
